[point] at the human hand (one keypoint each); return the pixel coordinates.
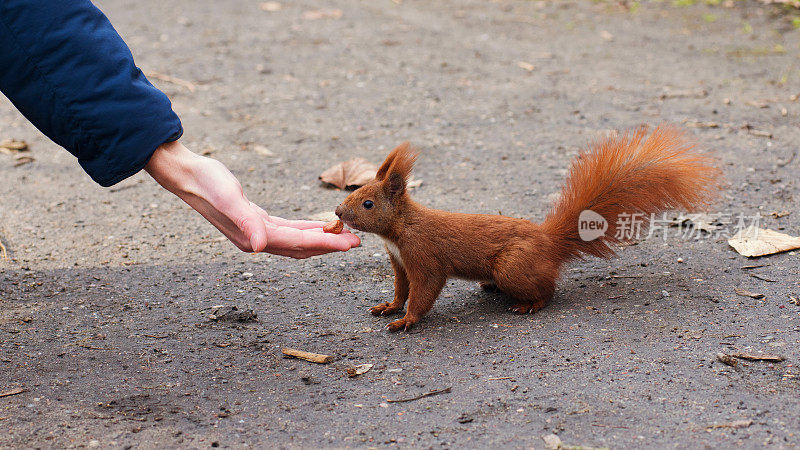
(211, 189)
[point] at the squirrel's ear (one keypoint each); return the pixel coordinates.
(389, 160)
(394, 185)
(399, 171)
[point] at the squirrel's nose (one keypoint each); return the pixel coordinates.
(339, 211)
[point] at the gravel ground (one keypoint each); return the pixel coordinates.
(105, 299)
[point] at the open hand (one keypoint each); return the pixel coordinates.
(211, 189)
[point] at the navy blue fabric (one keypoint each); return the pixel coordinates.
(69, 72)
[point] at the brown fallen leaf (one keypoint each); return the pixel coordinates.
(752, 242)
(318, 14)
(9, 146)
(746, 293)
(360, 369)
(350, 174)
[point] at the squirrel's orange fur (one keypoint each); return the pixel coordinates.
(625, 174)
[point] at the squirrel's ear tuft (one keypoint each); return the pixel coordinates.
(402, 149)
(396, 175)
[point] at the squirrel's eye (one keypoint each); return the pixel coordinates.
(368, 204)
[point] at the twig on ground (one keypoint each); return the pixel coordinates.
(308, 356)
(759, 277)
(421, 396)
(758, 357)
(14, 391)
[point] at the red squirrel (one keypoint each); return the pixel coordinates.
(620, 174)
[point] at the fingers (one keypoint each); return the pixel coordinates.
(292, 239)
(299, 224)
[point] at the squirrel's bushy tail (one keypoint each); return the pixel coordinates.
(625, 178)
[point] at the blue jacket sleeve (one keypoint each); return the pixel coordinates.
(69, 72)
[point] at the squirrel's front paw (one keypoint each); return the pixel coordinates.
(404, 324)
(384, 309)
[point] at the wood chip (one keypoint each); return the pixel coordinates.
(746, 293)
(694, 124)
(360, 369)
(698, 93)
(11, 392)
(752, 242)
(525, 65)
(427, 394)
(9, 146)
(744, 423)
(307, 356)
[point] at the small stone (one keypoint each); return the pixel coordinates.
(551, 441)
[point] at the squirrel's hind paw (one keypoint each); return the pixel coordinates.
(403, 324)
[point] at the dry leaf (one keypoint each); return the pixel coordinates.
(754, 241)
(271, 6)
(527, 66)
(746, 293)
(350, 174)
(358, 370)
(9, 146)
(318, 14)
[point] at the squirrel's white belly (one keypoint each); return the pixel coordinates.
(394, 251)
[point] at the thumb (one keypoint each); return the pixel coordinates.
(254, 230)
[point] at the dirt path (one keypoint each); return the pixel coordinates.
(104, 304)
